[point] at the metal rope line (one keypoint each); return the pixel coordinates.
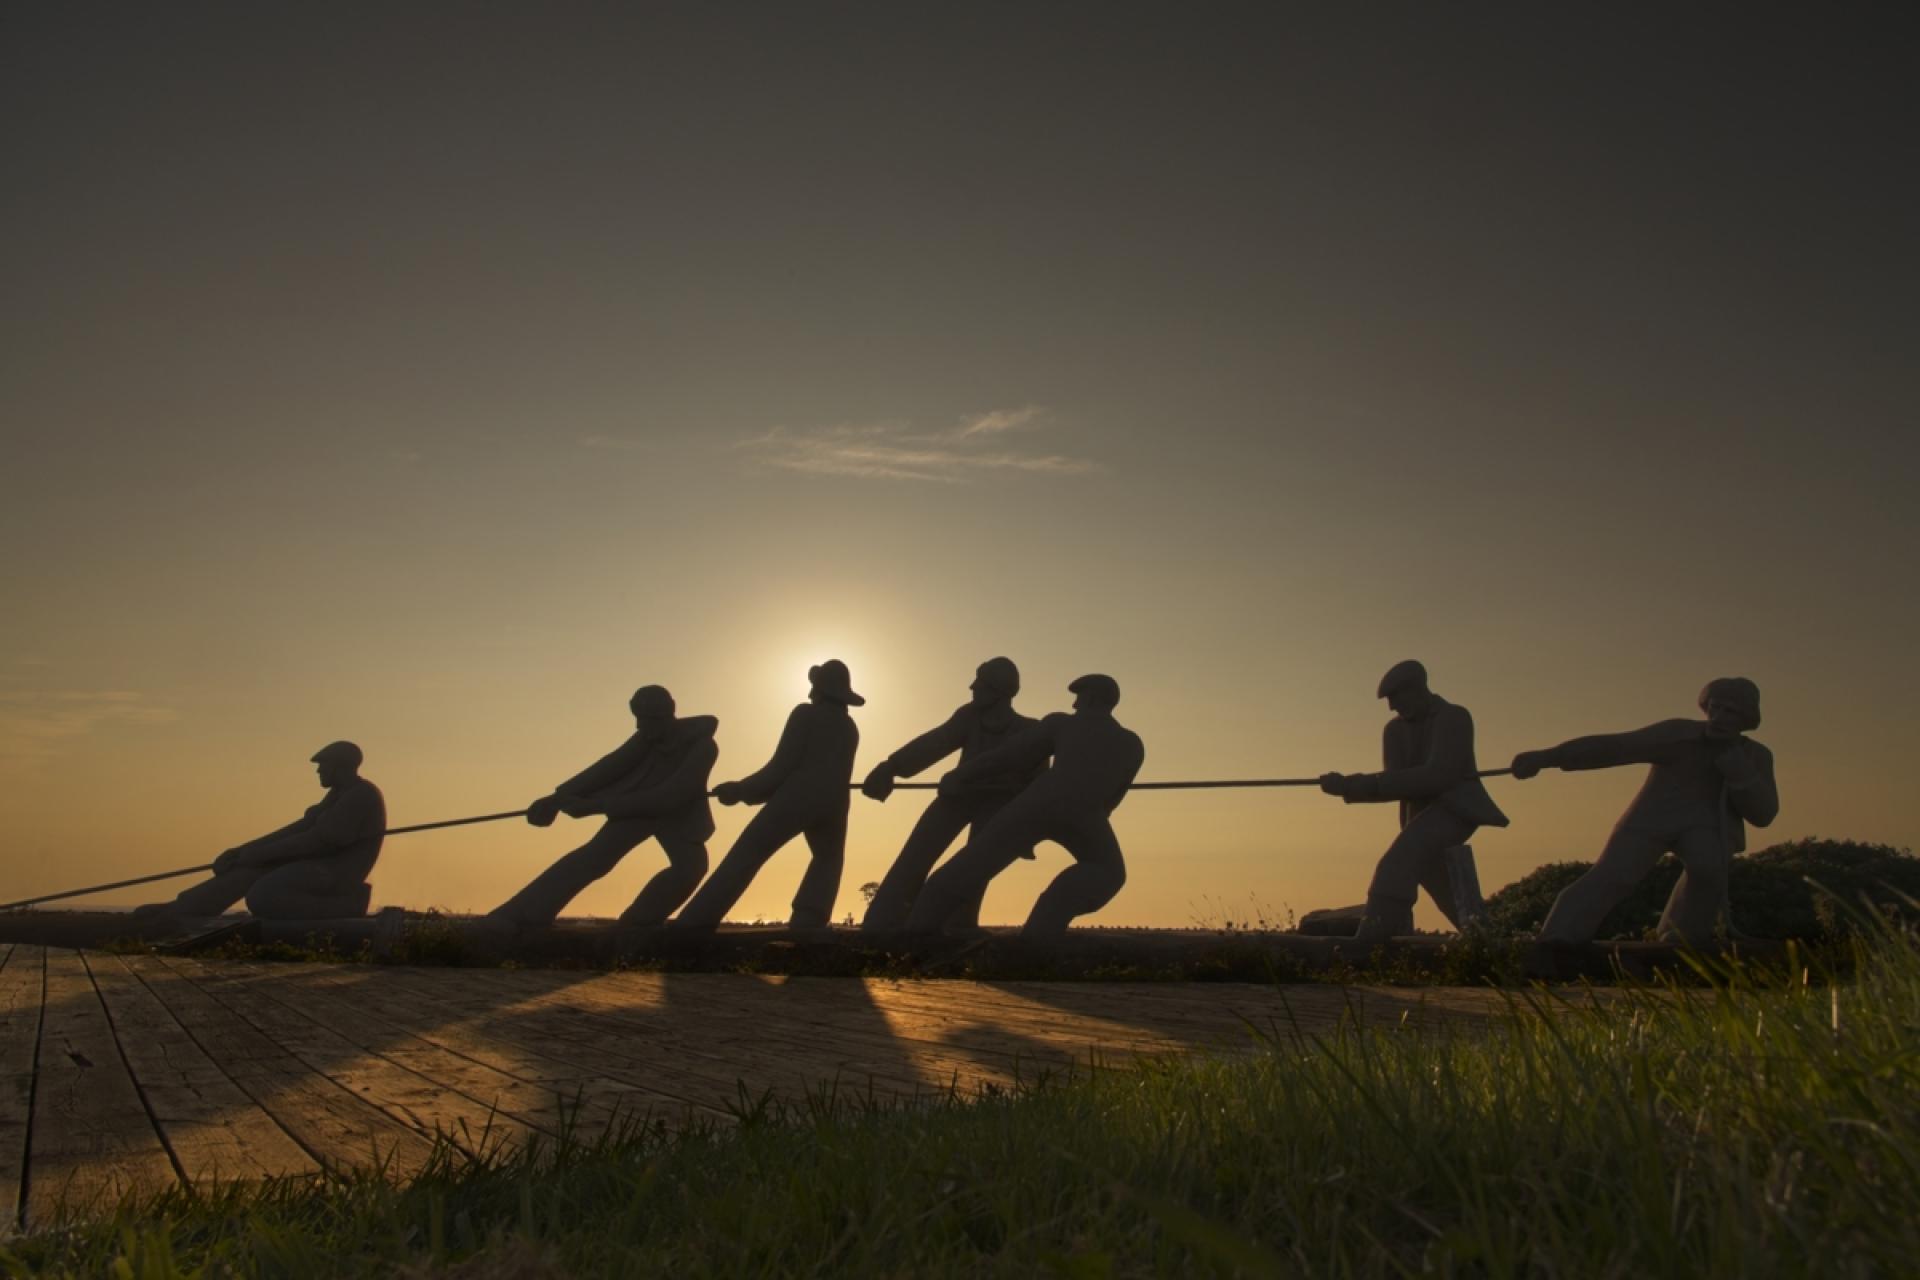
(1208, 785)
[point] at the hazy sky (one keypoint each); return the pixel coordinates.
(434, 375)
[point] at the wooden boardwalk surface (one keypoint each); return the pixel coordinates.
(133, 1073)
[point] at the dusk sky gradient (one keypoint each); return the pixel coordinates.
(433, 375)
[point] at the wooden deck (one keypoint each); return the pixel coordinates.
(133, 1073)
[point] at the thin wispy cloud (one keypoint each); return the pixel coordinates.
(613, 444)
(892, 451)
(38, 726)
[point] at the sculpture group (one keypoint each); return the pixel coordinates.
(1019, 783)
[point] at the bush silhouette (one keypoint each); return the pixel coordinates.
(1769, 890)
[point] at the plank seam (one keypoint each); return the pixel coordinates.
(33, 1101)
(139, 1089)
(239, 1084)
(436, 1132)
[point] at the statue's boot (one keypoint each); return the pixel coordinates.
(1385, 918)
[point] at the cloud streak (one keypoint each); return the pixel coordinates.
(37, 727)
(886, 451)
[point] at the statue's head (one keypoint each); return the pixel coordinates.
(338, 762)
(1095, 693)
(1732, 704)
(652, 708)
(833, 683)
(996, 681)
(1405, 689)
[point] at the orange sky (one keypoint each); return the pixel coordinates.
(433, 381)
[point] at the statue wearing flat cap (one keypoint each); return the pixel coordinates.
(652, 787)
(1087, 760)
(1706, 781)
(1429, 770)
(314, 868)
(981, 725)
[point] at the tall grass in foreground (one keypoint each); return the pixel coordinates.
(1764, 1127)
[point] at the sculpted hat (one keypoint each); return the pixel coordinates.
(1101, 689)
(1735, 691)
(831, 680)
(1000, 674)
(339, 753)
(650, 700)
(1400, 675)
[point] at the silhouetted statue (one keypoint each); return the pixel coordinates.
(804, 789)
(652, 786)
(314, 868)
(1428, 768)
(1707, 782)
(1094, 760)
(981, 725)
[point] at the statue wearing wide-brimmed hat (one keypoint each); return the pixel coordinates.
(804, 791)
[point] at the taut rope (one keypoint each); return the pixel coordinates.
(1208, 785)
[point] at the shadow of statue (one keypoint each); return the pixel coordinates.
(314, 868)
(653, 786)
(804, 792)
(1428, 768)
(1707, 780)
(1093, 760)
(981, 725)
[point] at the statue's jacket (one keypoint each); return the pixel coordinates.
(1430, 761)
(972, 733)
(345, 830)
(811, 766)
(1695, 782)
(662, 781)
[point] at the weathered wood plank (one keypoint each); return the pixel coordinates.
(440, 1022)
(406, 1095)
(832, 1031)
(354, 1018)
(22, 983)
(216, 1132)
(93, 1142)
(772, 1049)
(337, 1128)
(508, 1009)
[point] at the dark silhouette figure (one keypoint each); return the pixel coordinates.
(980, 726)
(1707, 781)
(314, 868)
(652, 786)
(1094, 760)
(804, 789)
(1428, 768)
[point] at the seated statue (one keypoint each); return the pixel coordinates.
(314, 868)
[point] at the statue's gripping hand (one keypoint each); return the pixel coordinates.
(879, 783)
(1528, 764)
(543, 811)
